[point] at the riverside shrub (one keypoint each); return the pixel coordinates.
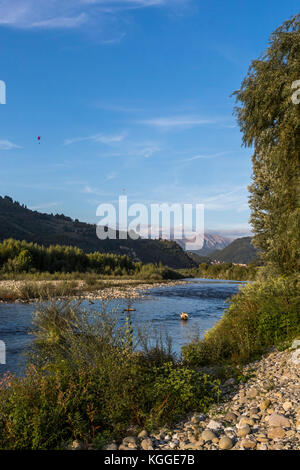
(261, 315)
(89, 378)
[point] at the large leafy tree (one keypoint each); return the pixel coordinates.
(270, 122)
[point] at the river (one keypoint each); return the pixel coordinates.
(204, 300)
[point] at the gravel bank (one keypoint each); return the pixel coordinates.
(261, 414)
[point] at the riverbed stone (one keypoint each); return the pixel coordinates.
(146, 444)
(270, 421)
(143, 434)
(208, 435)
(225, 443)
(276, 433)
(277, 420)
(244, 430)
(214, 425)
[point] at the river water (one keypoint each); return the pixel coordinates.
(204, 300)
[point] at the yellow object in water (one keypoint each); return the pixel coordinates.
(184, 316)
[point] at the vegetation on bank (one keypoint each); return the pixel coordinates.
(18, 257)
(266, 313)
(227, 271)
(263, 314)
(91, 378)
(33, 263)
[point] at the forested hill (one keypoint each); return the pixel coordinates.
(239, 251)
(21, 223)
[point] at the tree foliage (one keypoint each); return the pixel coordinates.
(270, 122)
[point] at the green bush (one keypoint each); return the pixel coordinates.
(91, 378)
(227, 271)
(261, 315)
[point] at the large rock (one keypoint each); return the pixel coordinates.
(265, 404)
(230, 417)
(252, 393)
(146, 444)
(276, 433)
(225, 443)
(248, 443)
(278, 420)
(245, 420)
(208, 435)
(244, 430)
(296, 344)
(214, 425)
(142, 434)
(287, 405)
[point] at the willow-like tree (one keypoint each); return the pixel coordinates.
(270, 122)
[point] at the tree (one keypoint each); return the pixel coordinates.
(270, 122)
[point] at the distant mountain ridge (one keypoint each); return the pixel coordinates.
(211, 243)
(21, 223)
(239, 251)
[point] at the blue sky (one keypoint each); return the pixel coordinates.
(131, 97)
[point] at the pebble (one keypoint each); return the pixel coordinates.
(208, 435)
(225, 443)
(264, 414)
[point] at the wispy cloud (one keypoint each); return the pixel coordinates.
(111, 176)
(93, 191)
(8, 145)
(118, 108)
(234, 199)
(204, 156)
(99, 138)
(63, 22)
(71, 14)
(175, 122)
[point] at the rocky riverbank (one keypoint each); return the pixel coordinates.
(103, 289)
(261, 414)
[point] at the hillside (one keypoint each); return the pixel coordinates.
(239, 251)
(21, 223)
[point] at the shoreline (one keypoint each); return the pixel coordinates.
(105, 289)
(261, 414)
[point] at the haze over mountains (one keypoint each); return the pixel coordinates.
(21, 223)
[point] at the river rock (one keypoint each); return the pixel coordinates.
(287, 405)
(296, 344)
(248, 443)
(130, 441)
(225, 443)
(146, 444)
(214, 425)
(244, 430)
(208, 435)
(276, 433)
(277, 420)
(230, 417)
(252, 393)
(264, 405)
(142, 434)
